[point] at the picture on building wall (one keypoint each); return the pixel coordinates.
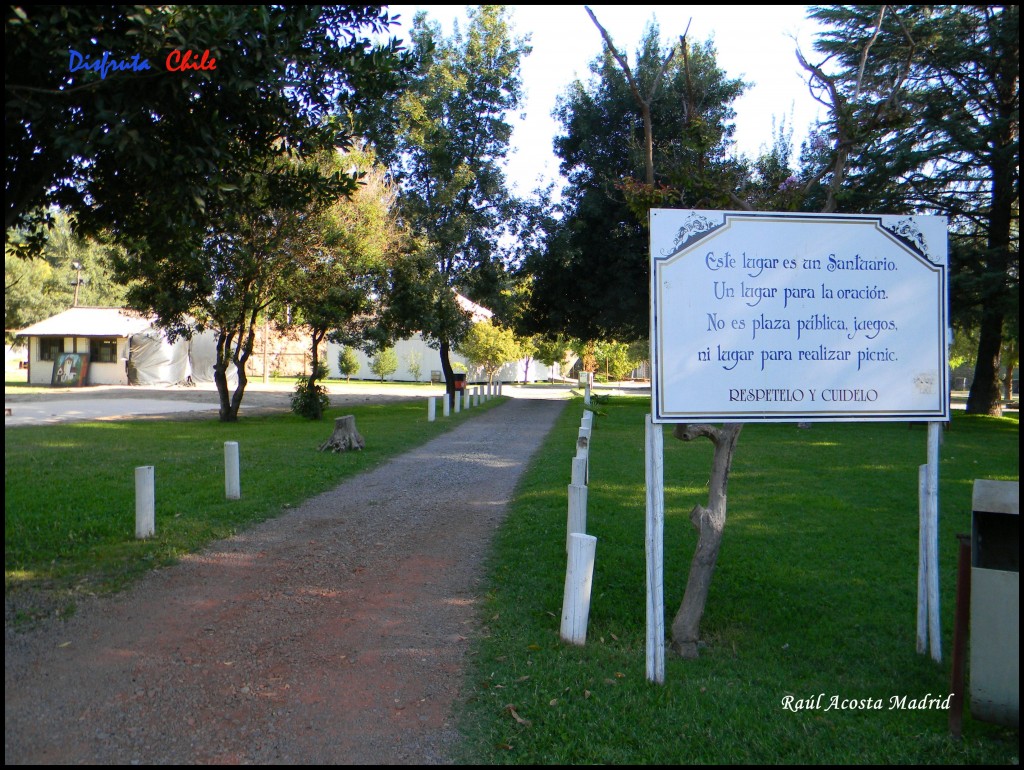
(69, 369)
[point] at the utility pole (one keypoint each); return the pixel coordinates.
(77, 267)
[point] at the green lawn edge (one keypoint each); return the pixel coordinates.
(814, 595)
(69, 490)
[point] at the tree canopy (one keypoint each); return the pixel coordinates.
(152, 151)
(445, 141)
(949, 144)
(592, 279)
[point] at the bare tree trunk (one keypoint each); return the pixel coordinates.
(984, 396)
(709, 522)
(220, 375)
(449, 373)
(316, 336)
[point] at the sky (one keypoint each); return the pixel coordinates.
(753, 42)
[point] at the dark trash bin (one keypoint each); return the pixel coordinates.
(460, 380)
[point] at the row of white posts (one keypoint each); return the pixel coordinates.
(473, 397)
(145, 490)
(580, 547)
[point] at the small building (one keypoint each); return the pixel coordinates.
(89, 341)
(114, 346)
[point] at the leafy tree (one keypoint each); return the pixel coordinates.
(552, 351)
(446, 152)
(615, 358)
(384, 363)
(225, 283)
(414, 363)
(153, 155)
(343, 250)
(224, 200)
(43, 286)
(348, 362)
(951, 146)
(490, 347)
(591, 280)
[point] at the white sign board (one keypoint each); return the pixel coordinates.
(798, 317)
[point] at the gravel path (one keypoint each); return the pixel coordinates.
(334, 634)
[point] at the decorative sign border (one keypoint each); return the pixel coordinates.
(778, 317)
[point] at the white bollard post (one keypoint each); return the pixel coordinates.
(446, 408)
(469, 399)
(579, 575)
(458, 401)
(586, 393)
(145, 502)
(431, 409)
(577, 521)
(232, 485)
(579, 471)
(583, 452)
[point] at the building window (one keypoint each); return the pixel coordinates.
(50, 348)
(103, 351)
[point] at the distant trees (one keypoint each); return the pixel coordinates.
(384, 363)
(50, 283)
(445, 141)
(490, 347)
(348, 362)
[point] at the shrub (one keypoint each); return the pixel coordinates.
(310, 402)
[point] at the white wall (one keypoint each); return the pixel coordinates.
(41, 372)
(430, 360)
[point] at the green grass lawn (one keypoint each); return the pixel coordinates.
(69, 490)
(815, 592)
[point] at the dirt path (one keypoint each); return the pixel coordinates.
(334, 634)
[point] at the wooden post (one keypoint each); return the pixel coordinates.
(145, 502)
(654, 546)
(431, 409)
(232, 483)
(960, 625)
(579, 575)
(577, 519)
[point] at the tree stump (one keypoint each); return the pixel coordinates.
(345, 436)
